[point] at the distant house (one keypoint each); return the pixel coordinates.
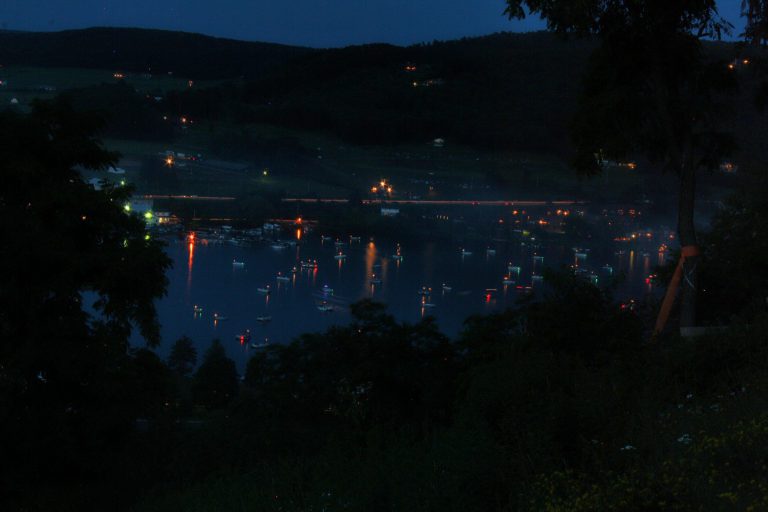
(390, 212)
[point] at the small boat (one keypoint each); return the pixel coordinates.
(309, 264)
(340, 256)
(238, 264)
(339, 243)
(428, 305)
(425, 292)
(218, 318)
(447, 288)
(264, 319)
(375, 280)
(266, 290)
(537, 278)
(279, 246)
(198, 310)
(490, 252)
(354, 238)
(397, 257)
(508, 280)
(538, 258)
(513, 269)
(327, 289)
(281, 277)
(265, 344)
(325, 308)
(294, 270)
(244, 338)
(326, 238)
(608, 269)
(465, 252)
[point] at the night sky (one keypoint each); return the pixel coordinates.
(318, 23)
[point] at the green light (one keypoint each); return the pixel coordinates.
(146, 237)
(148, 215)
(127, 207)
(122, 183)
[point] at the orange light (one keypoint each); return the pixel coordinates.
(298, 220)
(731, 66)
(745, 61)
(374, 190)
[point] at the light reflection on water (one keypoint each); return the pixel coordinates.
(204, 275)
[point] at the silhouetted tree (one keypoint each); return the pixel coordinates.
(183, 356)
(649, 90)
(215, 383)
(80, 273)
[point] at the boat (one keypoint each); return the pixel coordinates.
(537, 278)
(265, 344)
(340, 256)
(197, 309)
(264, 319)
(490, 252)
(266, 290)
(281, 277)
(447, 288)
(581, 255)
(327, 289)
(465, 252)
(428, 305)
(508, 280)
(397, 257)
(513, 269)
(375, 280)
(294, 270)
(325, 308)
(279, 246)
(244, 337)
(238, 264)
(339, 243)
(325, 238)
(538, 258)
(354, 238)
(425, 292)
(218, 318)
(608, 269)
(309, 264)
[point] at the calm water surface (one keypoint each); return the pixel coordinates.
(203, 275)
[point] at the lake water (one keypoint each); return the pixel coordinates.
(203, 275)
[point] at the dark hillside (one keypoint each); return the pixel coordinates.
(139, 50)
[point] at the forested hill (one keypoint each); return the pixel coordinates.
(500, 91)
(138, 50)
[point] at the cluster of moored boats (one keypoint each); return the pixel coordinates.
(511, 278)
